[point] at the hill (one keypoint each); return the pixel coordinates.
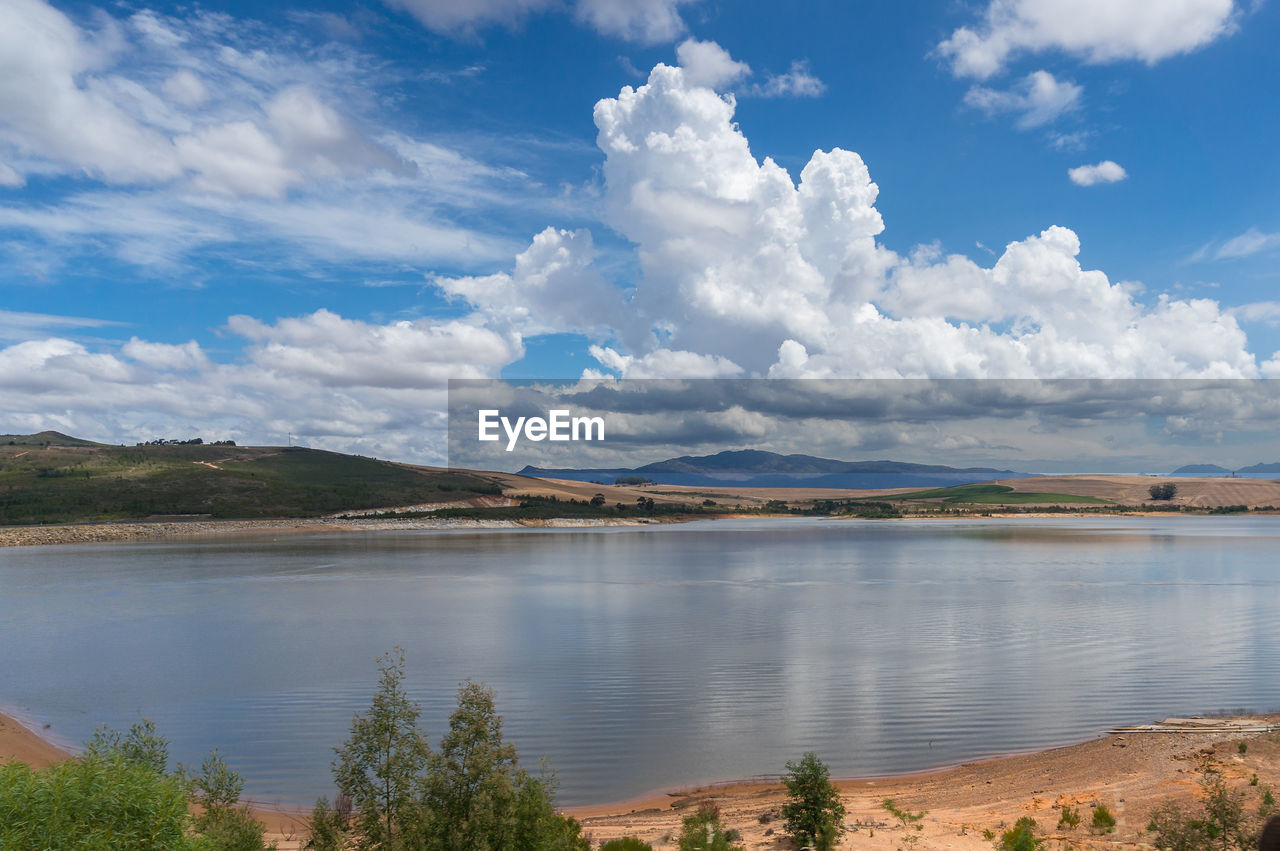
(756, 468)
(53, 478)
(1201, 470)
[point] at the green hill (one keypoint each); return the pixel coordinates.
(52, 478)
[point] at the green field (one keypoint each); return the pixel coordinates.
(994, 495)
(76, 481)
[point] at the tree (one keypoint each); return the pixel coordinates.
(1163, 492)
(217, 789)
(381, 765)
(1020, 837)
(1223, 824)
(814, 814)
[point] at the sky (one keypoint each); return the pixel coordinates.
(273, 222)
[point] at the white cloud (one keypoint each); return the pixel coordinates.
(741, 263)
(643, 21)
(1039, 97)
(706, 63)
(1250, 242)
(554, 288)
(1096, 30)
(797, 82)
(335, 382)
(453, 17)
(1091, 175)
(177, 134)
(1267, 312)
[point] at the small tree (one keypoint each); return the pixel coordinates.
(1163, 492)
(1020, 837)
(381, 764)
(814, 814)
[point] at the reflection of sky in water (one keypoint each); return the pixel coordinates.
(640, 658)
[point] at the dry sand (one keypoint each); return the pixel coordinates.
(1131, 773)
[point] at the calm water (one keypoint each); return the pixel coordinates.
(641, 658)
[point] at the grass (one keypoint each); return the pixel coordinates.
(994, 495)
(75, 482)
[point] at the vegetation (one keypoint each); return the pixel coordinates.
(995, 495)
(1020, 837)
(1103, 820)
(1223, 822)
(1163, 492)
(908, 820)
(626, 843)
(62, 483)
(703, 831)
(471, 795)
(119, 794)
(1070, 818)
(814, 813)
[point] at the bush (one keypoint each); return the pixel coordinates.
(1070, 818)
(626, 843)
(100, 800)
(1103, 820)
(702, 831)
(1020, 837)
(813, 812)
(1222, 824)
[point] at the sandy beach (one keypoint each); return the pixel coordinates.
(1132, 773)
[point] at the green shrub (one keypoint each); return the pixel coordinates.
(626, 843)
(703, 831)
(1103, 820)
(1070, 818)
(1020, 837)
(92, 803)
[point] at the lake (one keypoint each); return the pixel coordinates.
(641, 658)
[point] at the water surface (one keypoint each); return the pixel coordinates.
(640, 658)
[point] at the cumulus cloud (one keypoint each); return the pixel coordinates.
(706, 63)
(1103, 172)
(1096, 30)
(1040, 98)
(782, 278)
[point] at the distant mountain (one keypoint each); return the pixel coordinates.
(1271, 469)
(1201, 470)
(756, 468)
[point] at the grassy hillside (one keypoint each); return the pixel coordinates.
(49, 478)
(995, 495)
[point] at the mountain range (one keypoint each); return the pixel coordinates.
(757, 468)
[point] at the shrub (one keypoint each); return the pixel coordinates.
(100, 800)
(1020, 837)
(1103, 820)
(626, 843)
(1070, 818)
(813, 812)
(703, 831)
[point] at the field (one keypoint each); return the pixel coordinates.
(988, 494)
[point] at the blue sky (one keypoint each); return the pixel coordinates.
(249, 221)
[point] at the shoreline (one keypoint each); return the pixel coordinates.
(172, 530)
(133, 531)
(1132, 772)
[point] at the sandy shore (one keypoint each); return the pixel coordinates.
(93, 533)
(1132, 773)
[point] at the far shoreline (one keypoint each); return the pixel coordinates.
(142, 531)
